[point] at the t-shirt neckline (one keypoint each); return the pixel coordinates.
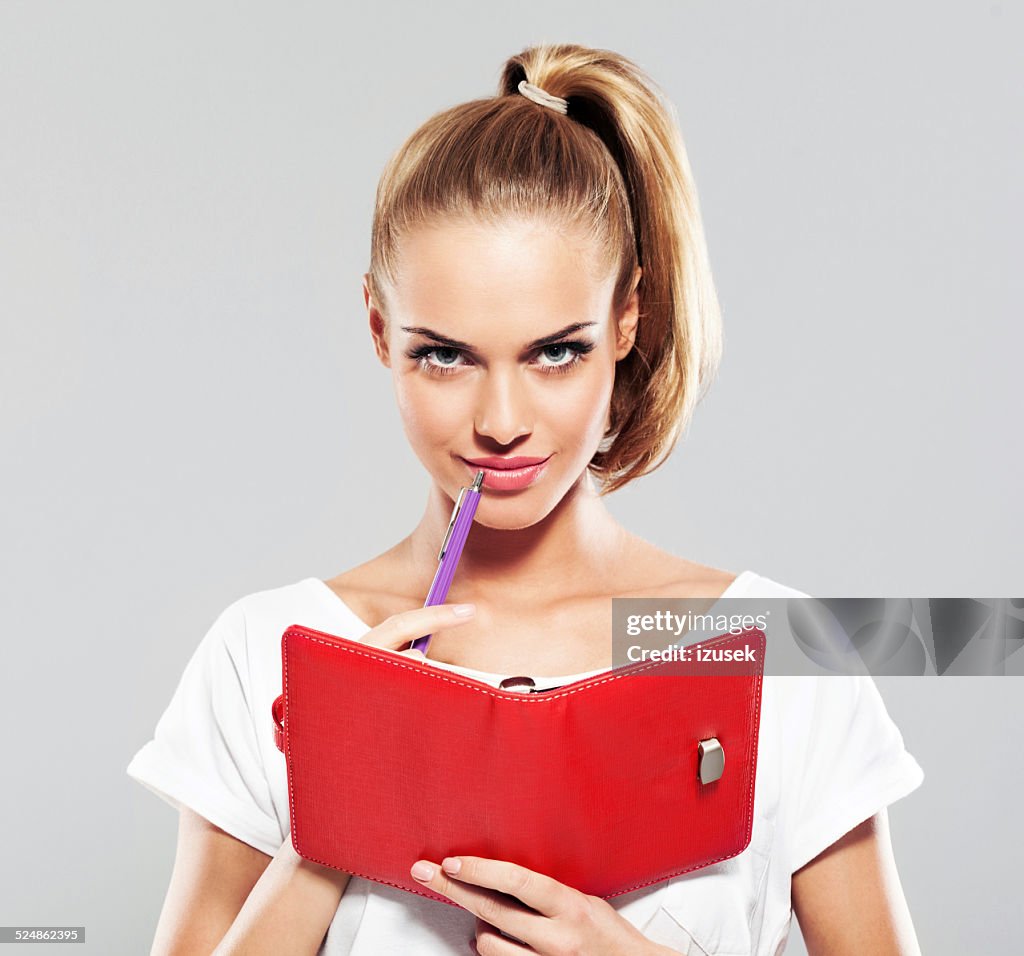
(542, 683)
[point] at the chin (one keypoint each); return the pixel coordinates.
(509, 524)
(513, 511)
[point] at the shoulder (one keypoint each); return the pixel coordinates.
(269, 602)
(757, 585)
(250, 626)
(676, 576)
(657, 572)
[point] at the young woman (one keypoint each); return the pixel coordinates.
(540, 290)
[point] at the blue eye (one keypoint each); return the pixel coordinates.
(576, 350)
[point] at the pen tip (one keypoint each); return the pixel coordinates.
(478, 481)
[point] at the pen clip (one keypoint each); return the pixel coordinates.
(451, 524)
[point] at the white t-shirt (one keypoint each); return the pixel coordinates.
(829, 757)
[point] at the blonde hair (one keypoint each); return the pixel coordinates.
(614, 165)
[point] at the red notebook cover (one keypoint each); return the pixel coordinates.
(596, 783)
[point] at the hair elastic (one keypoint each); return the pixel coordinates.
(542, 97)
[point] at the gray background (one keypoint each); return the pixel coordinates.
(192, 410)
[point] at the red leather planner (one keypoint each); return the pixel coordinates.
(606, 784)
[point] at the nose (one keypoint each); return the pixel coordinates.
(503, 407)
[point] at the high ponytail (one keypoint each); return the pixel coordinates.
(614, 163)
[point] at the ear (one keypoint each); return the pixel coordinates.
(627, 322)
(378, 328)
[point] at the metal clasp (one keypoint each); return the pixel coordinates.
(711, 763)
(451, 524)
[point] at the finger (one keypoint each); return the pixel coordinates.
(495, 942)
(406, 626)
(504, 912)
(537, 890)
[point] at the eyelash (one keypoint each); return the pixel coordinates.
(577, 346)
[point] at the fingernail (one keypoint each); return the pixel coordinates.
(451, 864)
(422, 871)
(464, 610)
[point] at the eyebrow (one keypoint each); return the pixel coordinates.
(465, 346)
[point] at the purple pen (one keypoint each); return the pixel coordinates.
(451, 550)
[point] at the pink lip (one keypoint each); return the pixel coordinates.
(499, 462)
(508, 479)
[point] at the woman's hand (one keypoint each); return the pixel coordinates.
(555, 920)
(406, 626)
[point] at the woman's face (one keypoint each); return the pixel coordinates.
(470, 304)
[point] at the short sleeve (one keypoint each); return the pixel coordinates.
(204, 752)
(855, 764)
